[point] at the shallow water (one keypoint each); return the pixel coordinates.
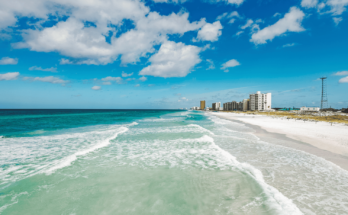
(156, 162)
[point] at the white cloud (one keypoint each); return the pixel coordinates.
(237, 2)
(211, 64)
(96, 87)
(9, 76)
(341, 73)
(277, 14)
(169, 1)
(291, 22)
(289, 45)
(230, 63)
(48, 79)
(8, 61)
(107, 83)
(143, 78)
(64, 61)
(172, 60)
(210, 32)
(126, 75)
(337, 6)
(229, 16)
(337, 20)
(343, 80)
(130, 79)
(87, 45)
(239, 33)
(52, 69)
(247, 24)
(137, 85)
(309, 3)
(109, 79)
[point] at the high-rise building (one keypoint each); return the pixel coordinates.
(234, 105)
(245, 104)
(260, 101)
(202, 106)
(216, 106)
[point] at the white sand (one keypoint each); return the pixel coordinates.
(321, 134)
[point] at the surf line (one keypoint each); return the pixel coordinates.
(71, 158)
(277, 202)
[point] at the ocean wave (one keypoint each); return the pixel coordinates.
(68, 160)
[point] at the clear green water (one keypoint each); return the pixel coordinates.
(155, 162)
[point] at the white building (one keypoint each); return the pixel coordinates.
(311, 109)
(216, 106)
(260, 101)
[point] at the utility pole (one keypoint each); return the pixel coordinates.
(324, 101)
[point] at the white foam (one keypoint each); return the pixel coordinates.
(276, 200)
(68, 160)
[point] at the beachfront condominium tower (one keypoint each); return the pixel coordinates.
(245, 104)
(202, 105)
(216, 106)
(260, 101)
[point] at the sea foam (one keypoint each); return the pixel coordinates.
(68, 160)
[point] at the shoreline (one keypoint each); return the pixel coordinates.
(289, 134)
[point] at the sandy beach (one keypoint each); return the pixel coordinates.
(319, 138)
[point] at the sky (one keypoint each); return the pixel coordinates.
(168, 54)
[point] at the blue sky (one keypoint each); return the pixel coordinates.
(171, 54)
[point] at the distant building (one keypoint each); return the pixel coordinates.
(234, 105)
(310, 109)
(207, 108)
(216, 106)
(245, 104)
(202, 105)
(260, 101)
(195, 108)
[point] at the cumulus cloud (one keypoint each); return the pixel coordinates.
(96, 87)
(87, 44)
(343, 80)
(110, 79)
(337, 20)
(126, 75)
(341, 73)
(309, 3)
(52, 69)
(64, 61)
(48, 79)
(7, 60)
(210, 32)
(337, 6)
(229, 16)
(289, 45)
(236, 2)
(9, 76)
(247, 24)
(239, 33)
(172, 60)
(291, 22)
(211, 64)
(143, 78)
(228, 64)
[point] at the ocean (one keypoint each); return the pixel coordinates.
(156, 162)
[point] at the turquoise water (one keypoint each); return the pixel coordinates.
(155, 162)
